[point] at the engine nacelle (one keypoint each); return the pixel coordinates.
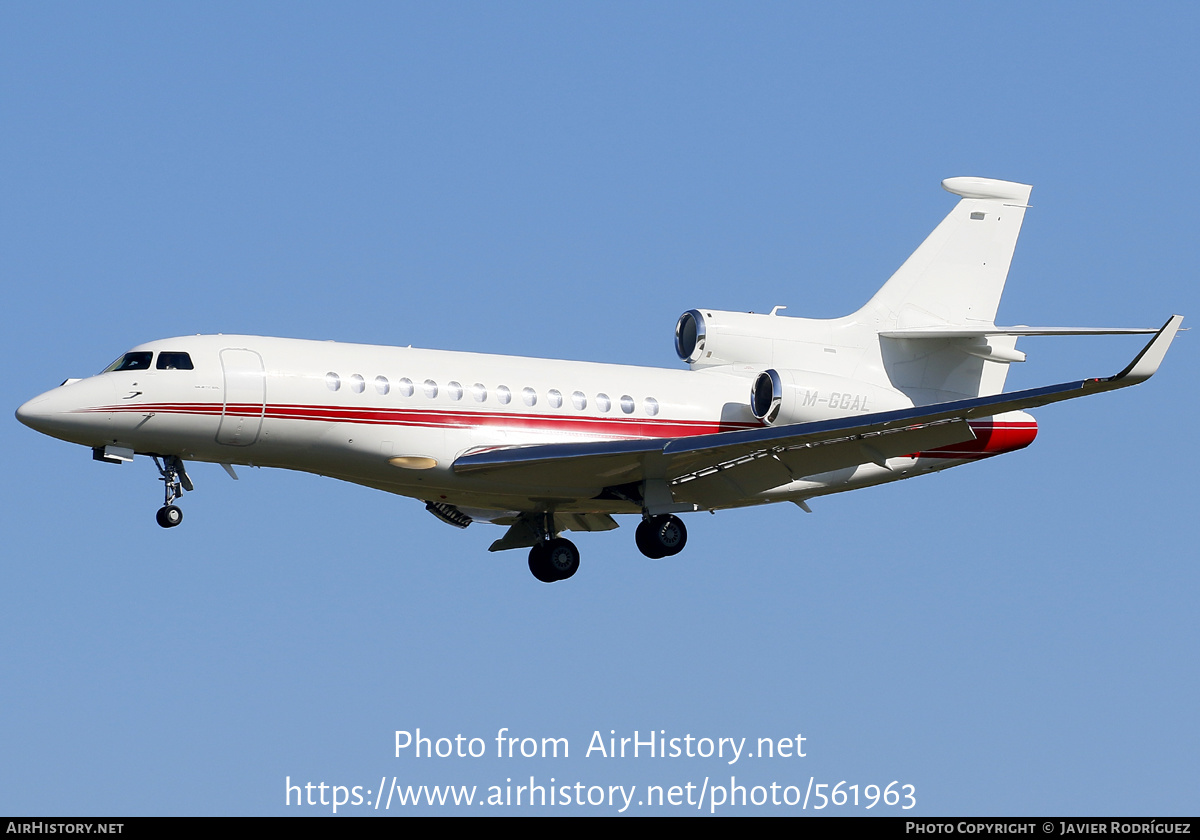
(709, 337)
(782, 397)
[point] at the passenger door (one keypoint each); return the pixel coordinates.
(245, 397)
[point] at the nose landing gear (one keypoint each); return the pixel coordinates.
(175, 480)
(169, 516)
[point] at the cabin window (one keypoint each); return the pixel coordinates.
(357, 384)
(382, 385)
(478, 392)
(503, 394)
(174, 361)
(627, 404)
(603, 402)
(529, 396)
(555, 398)
(579, 400)
(454, 390)
(431, 388)
(333, 381)
(131, 361)
(650, 406)
(405, 387)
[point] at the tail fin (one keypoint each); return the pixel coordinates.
(954, 279)
(957, 275)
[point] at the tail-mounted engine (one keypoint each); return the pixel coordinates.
(710, 337)
(781, 397)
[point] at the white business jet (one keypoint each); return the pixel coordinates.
(773, 408)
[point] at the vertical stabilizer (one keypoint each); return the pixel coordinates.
(958, 273)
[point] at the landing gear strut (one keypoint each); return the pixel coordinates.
(660, 536)
(175, 480)
(553, 558)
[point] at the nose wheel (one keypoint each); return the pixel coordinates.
(169, 516)
(175, 480)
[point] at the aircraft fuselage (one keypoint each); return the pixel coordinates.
(396, 418)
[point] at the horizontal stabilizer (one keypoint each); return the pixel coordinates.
(985, 332)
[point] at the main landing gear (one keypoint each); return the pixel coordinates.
(660, 536)
(554, 559)
(175, 480)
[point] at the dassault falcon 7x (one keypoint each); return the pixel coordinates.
(773, 408)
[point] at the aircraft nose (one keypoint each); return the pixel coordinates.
(35, 412)
(73, 411)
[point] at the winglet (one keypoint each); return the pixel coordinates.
(1147, 362)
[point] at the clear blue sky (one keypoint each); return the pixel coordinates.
(1014, 637)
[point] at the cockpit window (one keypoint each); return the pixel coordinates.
(174, 361)
(131, 361)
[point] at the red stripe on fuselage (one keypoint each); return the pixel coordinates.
(615, 427)
(991, 437)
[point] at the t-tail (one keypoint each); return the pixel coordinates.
(954, 279)
(928, 336)
(937, 314)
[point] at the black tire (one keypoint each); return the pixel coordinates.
(646, 543)
(169, 516)
(539, 564)
(562, 558)
(661, 536)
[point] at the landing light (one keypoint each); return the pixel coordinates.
(413, 462)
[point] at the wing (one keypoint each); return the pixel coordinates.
(730, 465)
